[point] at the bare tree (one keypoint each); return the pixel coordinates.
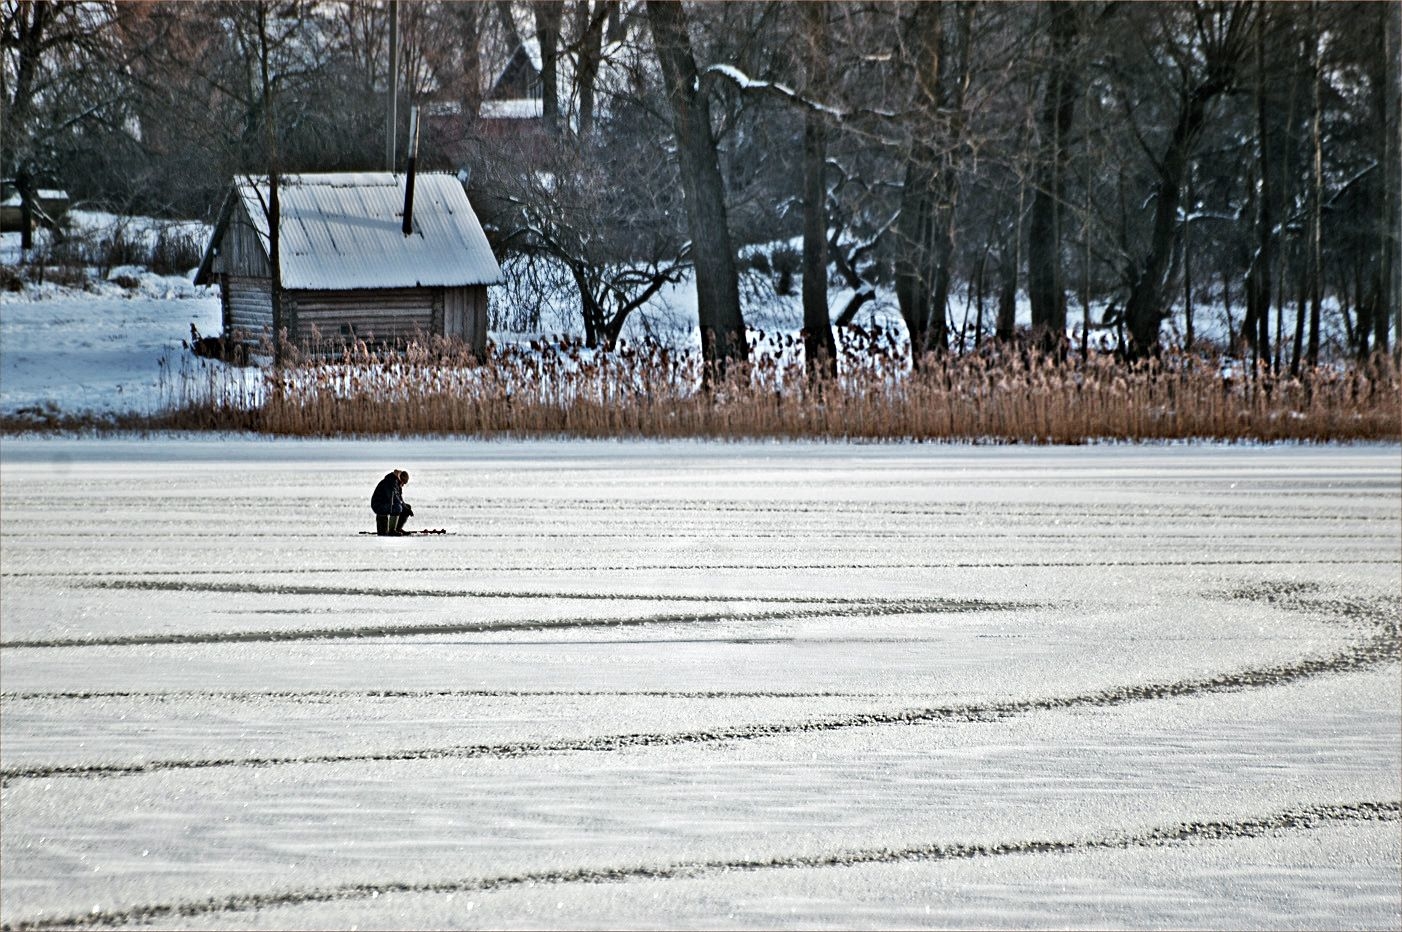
(1389, 287)
(819, 347)
(1256, 325)
(717, 280)
(1218, 36)
(61, 78)
(548, 17)
(603, 213)
(1045, 288)
(916, 228)
(265, 44)
(954, 145)
(589, 39)
(938, 41)
(1316, 188)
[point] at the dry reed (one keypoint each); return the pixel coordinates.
(560, 388)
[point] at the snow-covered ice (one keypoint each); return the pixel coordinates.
(113, 350)
(700, 685)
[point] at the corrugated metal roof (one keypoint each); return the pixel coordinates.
(345, 231)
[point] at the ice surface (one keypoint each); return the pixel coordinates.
(699, 685)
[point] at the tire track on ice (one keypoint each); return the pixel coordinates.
(313, 695)
(1380, 645)
(1303, 818)
(253, 588)
(836, 608)
(137, 581)
(976, 534)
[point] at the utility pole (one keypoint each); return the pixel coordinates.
(391, 114)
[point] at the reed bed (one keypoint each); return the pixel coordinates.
(559, 388)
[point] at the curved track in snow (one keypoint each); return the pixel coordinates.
(1289, 820)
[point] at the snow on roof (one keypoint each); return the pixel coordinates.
(344, 231)
(520, 108)
(43, 194)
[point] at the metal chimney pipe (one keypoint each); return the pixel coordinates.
(409, 180)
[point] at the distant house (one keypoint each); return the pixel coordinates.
(514, 107)
(49, 207)
(348, 270)
(509, 115)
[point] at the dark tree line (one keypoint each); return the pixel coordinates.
(1128, 166)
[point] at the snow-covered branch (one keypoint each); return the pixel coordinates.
(746, 83)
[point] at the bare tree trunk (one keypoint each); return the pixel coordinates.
(914, 232)
(391, 82)
(591, 32)
(925, 229)
(548, 14)
(1006, 325)
(819, 347)
(1316, 258)
(32, 21)
(1085, 274)
(467, 16)
(979, 282)
(954, 77)
(589, 307)
(1362, 301)
(274, 206)
(25, 185)
(1009, 261)
(1144, 309)
(1346, 314)
(1188, 272)
(1255, 325)
(717, 281)
(508, 25)
(915, 226)
(1045, 288)
(1390, 215)
(1300, 312)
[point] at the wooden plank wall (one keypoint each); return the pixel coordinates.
(241, 251)
(473, 300)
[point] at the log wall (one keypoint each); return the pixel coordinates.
(248, 307)
(373, 315)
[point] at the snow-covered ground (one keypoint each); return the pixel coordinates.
(114, 350)
(699, 685)
(110, 348)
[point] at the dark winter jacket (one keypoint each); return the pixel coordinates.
(388, 498)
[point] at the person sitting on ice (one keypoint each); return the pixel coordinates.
(389, 506)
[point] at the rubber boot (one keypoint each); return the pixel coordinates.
(399, 524)
(382, 525)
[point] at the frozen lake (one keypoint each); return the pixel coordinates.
(699, 685)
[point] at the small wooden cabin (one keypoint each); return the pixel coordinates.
(47, 208)
(348, 270)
